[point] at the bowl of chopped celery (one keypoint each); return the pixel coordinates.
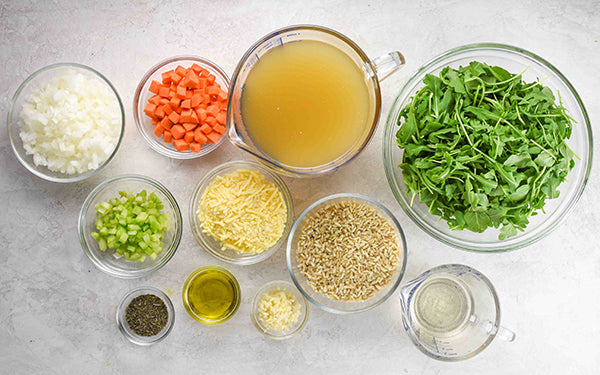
(487, 147)
(130, 226)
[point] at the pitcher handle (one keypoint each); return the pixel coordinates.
(506, 334)
(387, 64)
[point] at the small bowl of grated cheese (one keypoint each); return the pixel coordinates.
(66, 122)
(241, 212)
(279, 310)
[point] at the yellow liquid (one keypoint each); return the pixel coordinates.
(307, 103)
(212, 295)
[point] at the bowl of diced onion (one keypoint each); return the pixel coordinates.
(147, 215)
(279, 310)
(65, 122)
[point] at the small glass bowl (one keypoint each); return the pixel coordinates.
(214, 247)
(124, 327)
(231, 279)
(33, 82)
(515, 60)
(105, 260)
(289, 288)
(321, 301)
(140, 99)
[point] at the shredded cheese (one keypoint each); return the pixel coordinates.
(243, 211)
(278, 310)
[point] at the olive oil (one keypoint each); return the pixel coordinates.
(307, 103)
(211, 295)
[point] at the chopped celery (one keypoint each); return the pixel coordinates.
(132, 225)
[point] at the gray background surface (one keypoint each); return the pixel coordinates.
(57, 312)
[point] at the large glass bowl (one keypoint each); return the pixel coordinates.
(140, 99)
(321, 301)
(515, 60)
(106, 260)
(35, 81)
(212, 246)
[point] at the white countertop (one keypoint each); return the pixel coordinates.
(57, 311)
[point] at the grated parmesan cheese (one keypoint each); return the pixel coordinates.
(71, 124)
(243, 211)
(278, 310)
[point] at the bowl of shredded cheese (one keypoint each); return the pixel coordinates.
(241, 212)
(66, 122)
(279, 310)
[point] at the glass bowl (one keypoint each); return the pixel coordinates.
(140, 99)
(105, 260)
(214, 247)
(515, 60)
(124, 327)
(289, 288)
(229, 278)
(33, 82)
(321, 301)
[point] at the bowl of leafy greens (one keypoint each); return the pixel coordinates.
(487, 147)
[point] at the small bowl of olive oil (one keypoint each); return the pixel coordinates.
(211, 295)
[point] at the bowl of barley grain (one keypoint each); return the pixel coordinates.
(346, 253)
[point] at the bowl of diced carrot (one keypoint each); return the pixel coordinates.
(180, 107)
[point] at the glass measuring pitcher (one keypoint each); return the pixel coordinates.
(373, 71)
(451, 312)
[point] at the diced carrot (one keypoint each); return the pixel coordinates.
(159, 112)
(174, 102)
(213, 137)
(196, 68)
(166, 123)
(202, 83)
(189, 94)
(213, 91)
(164, 92)
(186, 115)
(176, 78)
(158, 130)
(168, 109)
(174, 117)
(195, 147)
(154, 86)
(188, 126)
(166, 77)
(211, 121)
(199, 136)
(222, 95)
(196, 99)
(181, 145)
(154, 120)
(201, 115)
(192, 81)
(177, 131)
(181, 91)
(149, 109)
(187, 103)
(154, 100)
(213, 110)
(163, 101)
(195, 117)
(206, 99)
(188, 137)
(211, 79)
(167, 136)
(206, 128)
(180, 70)
(223, 106)
(221, 118)
(219, 129)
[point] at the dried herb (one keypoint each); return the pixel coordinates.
(146, 315)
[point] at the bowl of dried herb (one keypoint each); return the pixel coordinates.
(145, 315)
(488, 147)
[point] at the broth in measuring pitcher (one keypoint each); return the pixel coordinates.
(307, 103)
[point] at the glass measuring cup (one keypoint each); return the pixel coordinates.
(451, 312)
(374, 71)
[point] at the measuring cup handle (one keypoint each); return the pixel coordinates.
(387, 64)
(506, 334)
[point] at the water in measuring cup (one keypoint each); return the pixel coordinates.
(442, 306)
